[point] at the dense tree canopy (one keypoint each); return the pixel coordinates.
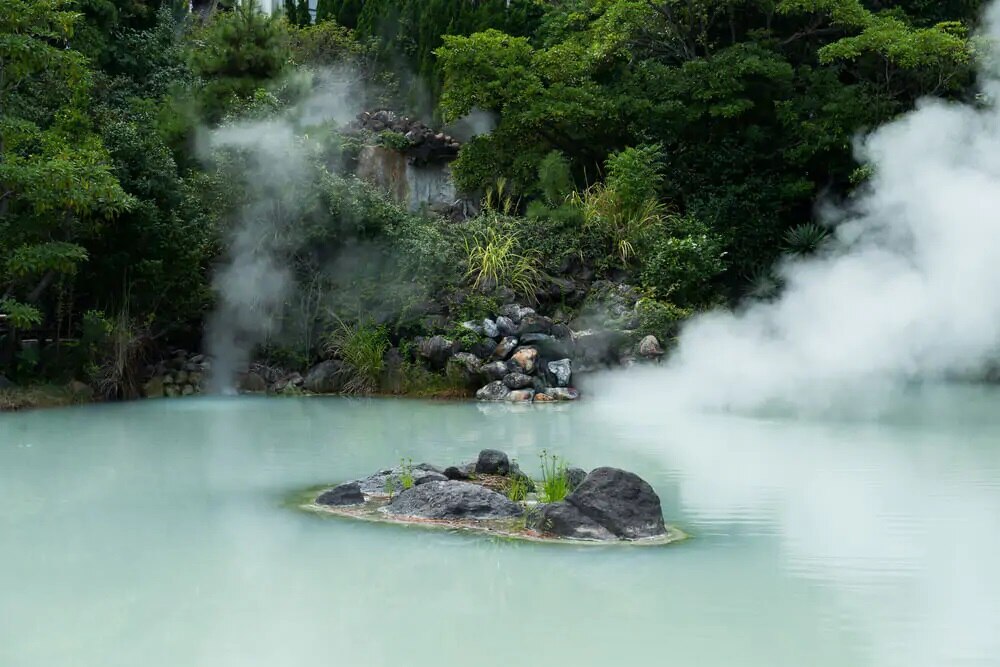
(680, 145)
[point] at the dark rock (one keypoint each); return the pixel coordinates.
(511, 311)
(492, 462)
(539, 384)
(518, 381)
(575, 477)
(466, 366)
(251, 382)
(380, 483)
(494, 371)
(548, 346)
(566, 520)
(597, 348)
(534, 324)
(562, 331)
(506, 326)
(345, 494)
(561, 372)
(326, 377)
(453, 500)
(436, 350)
(464, 471)
(620, 501)
(516, 473)
(430, 477)
(494, 391)
(505, 347)
(484, 348)
(525, 359)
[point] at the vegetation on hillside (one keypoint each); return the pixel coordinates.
(678, 145)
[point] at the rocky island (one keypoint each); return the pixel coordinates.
(493, 495)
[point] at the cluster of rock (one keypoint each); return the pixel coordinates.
(424, 144)
(606, 504)
(520, 357)
(180, 374)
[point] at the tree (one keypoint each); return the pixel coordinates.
(303, 16)
(57, 188)
(236, 53)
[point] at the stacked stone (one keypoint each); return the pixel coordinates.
(522, 357)
(181, 374)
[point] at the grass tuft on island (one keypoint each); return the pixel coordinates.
(43, 396)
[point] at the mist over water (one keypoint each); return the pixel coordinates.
(907, 290)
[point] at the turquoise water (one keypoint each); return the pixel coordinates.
(155, 534)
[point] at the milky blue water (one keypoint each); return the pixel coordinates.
(156, 534)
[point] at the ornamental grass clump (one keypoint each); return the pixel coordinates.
(555, 481)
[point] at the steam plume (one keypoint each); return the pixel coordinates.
(908, 290)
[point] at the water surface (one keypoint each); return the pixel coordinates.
(155, 534)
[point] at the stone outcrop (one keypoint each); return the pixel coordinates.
(453, 500)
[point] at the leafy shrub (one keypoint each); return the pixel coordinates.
(659, 319)
(361, 346)
(682, 266)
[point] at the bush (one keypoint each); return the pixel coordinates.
(494, 259)
(681, 267)
(361, 346)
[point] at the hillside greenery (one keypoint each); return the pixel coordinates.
(677, 145)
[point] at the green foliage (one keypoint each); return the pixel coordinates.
(361, 346)
(517, 489)
(682, 264)
(406, 474)
(555, 483)
(494, 259)
(805, 239)
(659, 318)
(237, 52)
(394, 140)
(20, 315)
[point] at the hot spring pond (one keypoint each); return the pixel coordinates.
(160, 534)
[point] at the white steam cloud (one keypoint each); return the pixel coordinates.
(254, 283)
(909, 289)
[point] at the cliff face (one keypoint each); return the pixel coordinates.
(411, 161)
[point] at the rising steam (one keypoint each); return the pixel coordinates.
(254, 283)
(908, 291)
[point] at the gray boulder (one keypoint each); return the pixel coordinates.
(430, 477)
(561, 372)
(506, 326)
(436, 350)
(505, 347)
(490, 328)
(494, 391)
(251, 382)
(565, 520)
(326, 377)
(462, 472)
(520, 396)
(453, 500)
(534, 324)
(345, 494)
(474, 327)
(562, 393)
(621, 502)
(518, 381)
(492, 462)
(494, 371)
(649, 347)
(381, 482)
(575, 477)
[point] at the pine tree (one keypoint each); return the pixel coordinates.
(290, 12)
(325, 10)
(304, 17)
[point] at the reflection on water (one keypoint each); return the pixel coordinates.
(155, 534)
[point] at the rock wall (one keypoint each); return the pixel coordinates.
(411, 184)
